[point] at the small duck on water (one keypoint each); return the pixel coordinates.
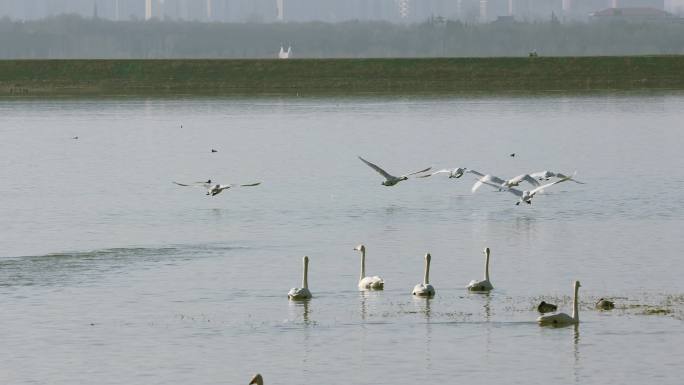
(544, 307)
(604, 304)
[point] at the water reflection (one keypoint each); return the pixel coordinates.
(423, 306)
(301, 307)
(576, 352)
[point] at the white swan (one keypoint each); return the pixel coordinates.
(513, 182)
(215, 189)
(368, 283)
(546, 175)
(453, 172)
(425, 289)
(525, 196)
(483, 285)
(391, 180)
(561, 319)
(302, 292)
(257, 380)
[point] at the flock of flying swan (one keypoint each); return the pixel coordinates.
(426, 289)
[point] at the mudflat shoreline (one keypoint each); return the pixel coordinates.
(54, 78)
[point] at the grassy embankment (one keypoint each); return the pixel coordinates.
(20, 78)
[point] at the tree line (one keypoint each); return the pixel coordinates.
(71, 36)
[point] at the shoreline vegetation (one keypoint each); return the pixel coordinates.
(419, 76)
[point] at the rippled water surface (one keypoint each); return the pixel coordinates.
(111, 274)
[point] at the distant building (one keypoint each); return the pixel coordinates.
(657, 4)
(636, 14)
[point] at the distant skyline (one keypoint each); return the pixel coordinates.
(320, 10)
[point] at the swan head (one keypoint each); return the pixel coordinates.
(428, 257)
(577, 284)
(360, 248)
(257, 380)
(306, 259)
(486, 251)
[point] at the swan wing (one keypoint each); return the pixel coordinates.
(196, 184)
(490, 180)
(543, 174)
(250, 184)
(511, 190)
(434, 173)
(570, 177)
(542, 187)
(476, 173)
(378, 169)
(529, 179)
(417, 172)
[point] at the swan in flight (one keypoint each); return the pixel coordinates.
(483, 285)
(561, 319)
(425, 289)
(525, 196)
(257, 380)
(546, 175)
(391, 180)
(301, 292)
(604, 304)
(544, 307)
(215, 189)
(368, 283)
(453, 172)
(513, 182)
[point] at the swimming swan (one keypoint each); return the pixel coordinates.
(257, 380)
(368, 283)
(391, 180)
(215, 189)
(525, 196)
(425, 289)
(301, 292)
(483, 285)
(604, 304)
(561, 319)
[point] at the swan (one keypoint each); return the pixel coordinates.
(560, 319)
(301, 292)
(546, 175)
(604, 304)
(425, 289)
(513, 182)
(453, 172)
(391, 180)
(544, 307)
(257, 380)
(215, 189)
(368, 283)
(525, 196)
(483, 285)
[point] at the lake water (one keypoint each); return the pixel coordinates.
(111, 274)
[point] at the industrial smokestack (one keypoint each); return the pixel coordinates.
(148, 9)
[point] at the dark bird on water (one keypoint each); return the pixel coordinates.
(546, 307)
(512, 155)
(212, 150)
(75, 137)
(604, 304)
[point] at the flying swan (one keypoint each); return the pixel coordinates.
(525, 196)
(425, 289)
(391, 180)
(453, 172)
(215, 189)
(561, 319)
(368, 283)
(303, 292)
(513, 182)
(546, 175)
(483, 285)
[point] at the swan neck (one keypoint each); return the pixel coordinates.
(575, 307)
(426, 278)
(363, 264)
(305, 279)
(487, 267)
